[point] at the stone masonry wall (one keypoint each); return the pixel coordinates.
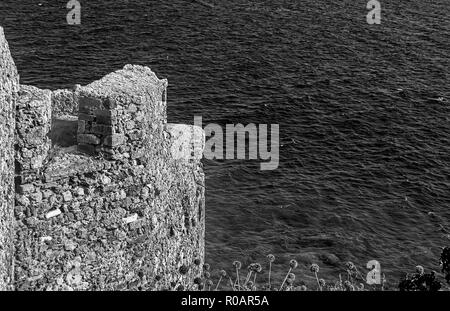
(97, 191)
(121, 115)
(121, 210)
(9, 81)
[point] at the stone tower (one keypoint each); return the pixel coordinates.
(101, 200)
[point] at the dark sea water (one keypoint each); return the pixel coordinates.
(362, 163)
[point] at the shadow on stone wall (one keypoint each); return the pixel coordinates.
(63, 132)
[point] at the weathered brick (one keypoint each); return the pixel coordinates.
(110, 103)
(88, 139)
(25, 189)
(101, 129)
(136, 135)
(34, 127)
(114, 140)
(67, 196)
(85, 117)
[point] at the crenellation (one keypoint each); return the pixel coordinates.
(115, 111)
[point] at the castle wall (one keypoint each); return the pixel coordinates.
(107, 194)
(9, 81)
(130, 217)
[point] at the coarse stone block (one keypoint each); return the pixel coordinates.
(85, 117)
(101, 129)
(33, 127)
(114, 140)
(108, 117)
